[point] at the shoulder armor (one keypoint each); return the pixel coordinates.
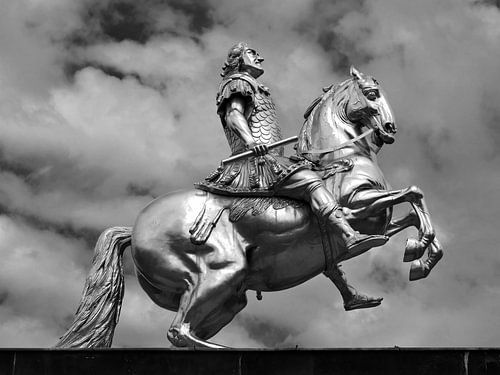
(235, 84)
(239, 83)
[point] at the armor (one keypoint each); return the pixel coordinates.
(254, 175)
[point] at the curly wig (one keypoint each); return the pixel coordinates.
(234, 59)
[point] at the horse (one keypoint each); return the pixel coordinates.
(198, 253)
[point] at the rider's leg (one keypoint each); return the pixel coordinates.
(306, 185)
(352, 299)
(326, 207)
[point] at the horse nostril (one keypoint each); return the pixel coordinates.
(390, 127)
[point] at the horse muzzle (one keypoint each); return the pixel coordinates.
(386, 132)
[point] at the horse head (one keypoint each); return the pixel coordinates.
(368, 106)
(334, 121)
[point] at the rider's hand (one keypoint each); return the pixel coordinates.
(258, 149)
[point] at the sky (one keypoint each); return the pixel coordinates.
(105, 105)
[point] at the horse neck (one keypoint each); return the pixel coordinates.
(329, 127)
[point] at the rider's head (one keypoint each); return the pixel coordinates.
(242, 58)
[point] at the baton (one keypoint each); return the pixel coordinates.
(248, 153)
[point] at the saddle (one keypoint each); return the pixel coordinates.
(252, 206)
(238, 207)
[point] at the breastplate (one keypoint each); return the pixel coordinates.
(263, 124)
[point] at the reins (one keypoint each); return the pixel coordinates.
(341, 146)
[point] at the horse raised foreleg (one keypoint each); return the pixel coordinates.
(397, 225)
(414, 249)
(371, 201)
(421, 268)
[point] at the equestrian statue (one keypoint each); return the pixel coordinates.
(261, 221)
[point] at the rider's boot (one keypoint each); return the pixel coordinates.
(355, 242)
(352, 299)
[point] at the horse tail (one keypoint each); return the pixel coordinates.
(99, 308)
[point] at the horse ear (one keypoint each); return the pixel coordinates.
(355, 73)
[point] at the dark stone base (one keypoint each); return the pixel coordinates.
(249, 362)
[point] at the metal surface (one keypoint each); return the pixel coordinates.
(277, 249)
(272, 146)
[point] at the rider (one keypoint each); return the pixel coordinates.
(250, 122)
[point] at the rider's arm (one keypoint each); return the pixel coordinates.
(237, 122)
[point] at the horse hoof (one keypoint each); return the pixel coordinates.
(413, 250)
(176, 338)
(418, 270)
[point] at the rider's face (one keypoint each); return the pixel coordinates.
(252, 62)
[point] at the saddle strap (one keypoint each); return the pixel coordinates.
(203, 225)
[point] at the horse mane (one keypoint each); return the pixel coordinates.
(339, 92)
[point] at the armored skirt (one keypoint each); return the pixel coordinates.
(254, 176)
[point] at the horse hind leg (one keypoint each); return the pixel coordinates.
(180, 333)
(211, 290)
(221, 317)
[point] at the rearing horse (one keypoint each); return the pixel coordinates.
(261, 244)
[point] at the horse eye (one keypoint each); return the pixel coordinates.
(372, 94)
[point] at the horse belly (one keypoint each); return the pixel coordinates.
(284, 248)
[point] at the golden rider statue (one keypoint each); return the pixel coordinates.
(249, 119)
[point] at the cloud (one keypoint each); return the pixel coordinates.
(40, 272)
(105, 105)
